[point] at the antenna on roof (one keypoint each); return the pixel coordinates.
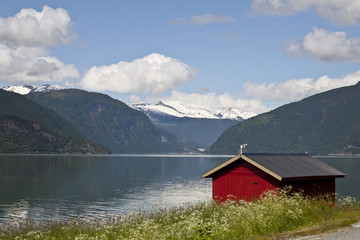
(242, 146)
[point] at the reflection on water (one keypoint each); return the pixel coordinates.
(58, 186)
(46, 187)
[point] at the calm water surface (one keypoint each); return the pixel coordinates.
(48, 187)
(58, 186)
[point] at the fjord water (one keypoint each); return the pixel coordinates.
(50, 187)
(47, 187)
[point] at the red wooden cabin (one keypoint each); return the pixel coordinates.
(247, 175)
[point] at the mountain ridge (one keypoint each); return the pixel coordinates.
(26, 89)
(27, 127)
(196, 126)
(192, 111)
(325, 123)
(108, 121)
(174, 108)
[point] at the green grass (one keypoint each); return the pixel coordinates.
(273, 216)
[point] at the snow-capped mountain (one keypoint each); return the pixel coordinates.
(172, 109)
(192, 111)
(26, 89)
(195, 125)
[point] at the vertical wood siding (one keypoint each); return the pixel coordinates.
(242, 181)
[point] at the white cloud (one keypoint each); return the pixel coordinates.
(24, 41)
(203, 19)
(154, 73)
(326, 46)
(49, 27)
(343, 12)
(32, 64)
(297, 89)
(211, 101)
(134, 98)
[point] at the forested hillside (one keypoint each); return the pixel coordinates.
(110, 122)
(27, 127)
(326, 123)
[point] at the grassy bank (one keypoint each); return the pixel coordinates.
(274, 216)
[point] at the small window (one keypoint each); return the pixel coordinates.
(255, 183)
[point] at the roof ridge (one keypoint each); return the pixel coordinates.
(276, 154)
(284, 166)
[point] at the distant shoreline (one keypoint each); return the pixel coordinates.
(195, 155)
(120, 155)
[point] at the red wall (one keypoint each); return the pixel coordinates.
(243, 181)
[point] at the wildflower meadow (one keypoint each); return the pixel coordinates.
(275, 215)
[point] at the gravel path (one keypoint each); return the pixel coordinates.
(350, 233)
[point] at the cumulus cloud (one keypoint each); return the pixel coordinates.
(212, 101)
(49, 27)
(24, 42)
(32, 64)
(297, 89)
(154, 73)
(326, 46)
(203, 19)
(343, 12)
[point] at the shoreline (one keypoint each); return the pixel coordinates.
(273, 216)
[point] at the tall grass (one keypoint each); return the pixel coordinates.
(274, 215)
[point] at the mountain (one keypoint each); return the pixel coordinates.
(27, 127)
(26, 89)
(195, 125)
(110, 122)
(198, 133)
(180, 110)
(326, 123)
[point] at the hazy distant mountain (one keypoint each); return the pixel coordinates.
(195, 125)
(325, 123)
(198, 133)
(27, 127)
(110, 122)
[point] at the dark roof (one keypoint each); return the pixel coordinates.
(284, 166)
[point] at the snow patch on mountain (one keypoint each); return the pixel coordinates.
(26, 89)
(177, 109)
(173, 108)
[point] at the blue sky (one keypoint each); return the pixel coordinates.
(250, 55)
